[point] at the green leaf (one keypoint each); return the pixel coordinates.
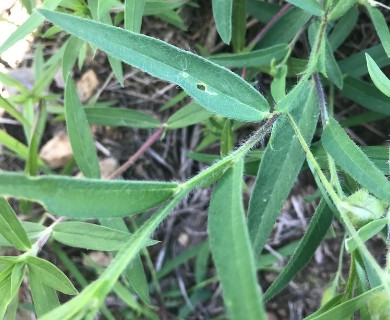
(286, 28)
(71, 52)
(79, 133)
(366, 232)
(134, 272)
(345, 309)
(231, 249)
(257, 58)
(99, 289)
(87, 198)
(232, 97)
(121, 117)
(279, 167)
(381, 26)
(352, 160)
(312, 238)
(223, 13)
(343, 28)
(378, 77)
(50, 275)
(173, 263)
(311, 6)
(134, 10)
(189, 115)
(5, 79)
(44, 297)
(32, 161)
(91, 236)
(11, 228)
(341, 7)
(32, 229)
(12, 111)
(238, 25)
(366, 95)
(278, 84)
(9, 286)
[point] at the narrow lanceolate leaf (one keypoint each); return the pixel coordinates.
(257, 58)
(90, 236)
(188, 115)
(118, 117)
(86, 198)
(134, 10)
(381, 26)
(366, 232)
(99, 289)
(223, 13)
(11, 228)
(44, 297)
(311, 6)
(279, 168)
(80, 135)
(341, 7)
(238, 25)
(51, 275)
(312, 238)
(378, 77)
(352, 160)
(231, 248)
(347, 308)
(233, 97)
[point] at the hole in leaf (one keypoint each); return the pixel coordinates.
(201, 87)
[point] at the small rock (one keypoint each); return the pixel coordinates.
(87, 85)
(57, 151)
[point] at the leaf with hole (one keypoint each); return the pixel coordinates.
(233, 97)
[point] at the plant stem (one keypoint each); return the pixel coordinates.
(155, 136)
(217, 168)
(342, 208)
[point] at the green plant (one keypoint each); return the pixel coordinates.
(229, 101)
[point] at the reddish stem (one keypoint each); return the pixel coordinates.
(270, 23)
(136, 155)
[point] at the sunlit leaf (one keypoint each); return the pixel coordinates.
(86, 198)
(235, 266)
(232, 98)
